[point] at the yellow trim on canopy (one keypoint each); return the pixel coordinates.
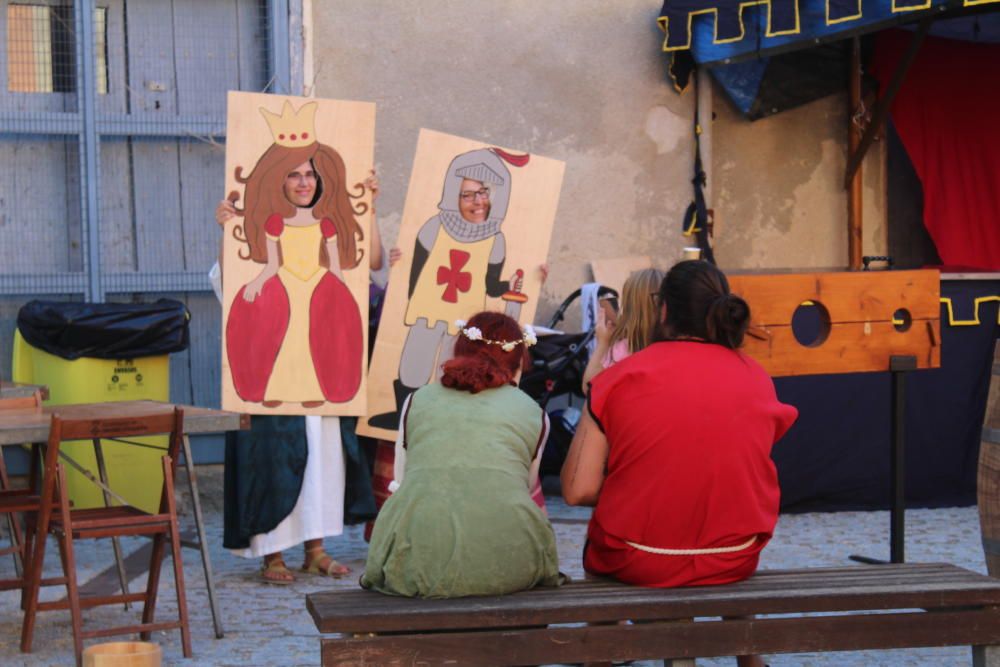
(663, 21)
(979, 300)
(842, 19)
(909, 8)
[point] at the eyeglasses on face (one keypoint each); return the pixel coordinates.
(473, 195)
(299, 176)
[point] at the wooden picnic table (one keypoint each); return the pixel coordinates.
(18, 427)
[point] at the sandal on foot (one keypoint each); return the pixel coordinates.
(322, 563)
(277, 573)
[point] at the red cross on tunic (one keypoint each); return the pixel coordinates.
(453, 277)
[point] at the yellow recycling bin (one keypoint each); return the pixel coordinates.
(134, 471)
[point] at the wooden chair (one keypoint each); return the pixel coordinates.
(68, 525)
(18, 501)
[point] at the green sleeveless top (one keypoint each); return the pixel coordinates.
(463, 522)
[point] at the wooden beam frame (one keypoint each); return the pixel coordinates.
(882, 108)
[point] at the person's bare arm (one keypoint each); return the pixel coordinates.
(256, 286)
(224, 212)
(583, 471)
(376, 256)
(334, 254)
(395, 254)
(602, 333)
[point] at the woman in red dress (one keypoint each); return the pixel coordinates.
(674, 450)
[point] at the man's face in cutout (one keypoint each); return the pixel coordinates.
(300, 185)
(474, 201)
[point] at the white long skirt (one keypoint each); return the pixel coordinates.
(319, 511)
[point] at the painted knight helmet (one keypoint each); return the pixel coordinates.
(487, 166)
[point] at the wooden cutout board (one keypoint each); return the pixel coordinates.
(349, 129)
(526, 228)
(613, 272)
(861, 305)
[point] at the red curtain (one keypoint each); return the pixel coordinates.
(947, 114)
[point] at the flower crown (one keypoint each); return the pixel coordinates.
(528, 337)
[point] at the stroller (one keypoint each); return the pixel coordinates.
(558, 362)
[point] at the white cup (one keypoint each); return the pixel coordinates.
(692, 253)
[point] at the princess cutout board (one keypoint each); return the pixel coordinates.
(476, 227)
(296, 256)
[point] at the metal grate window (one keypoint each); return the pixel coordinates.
(112, 125)
(41, 52)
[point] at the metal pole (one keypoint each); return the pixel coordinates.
(280, 66)
(199, 524)
(116, 545)
(705, 108)
(86, 95)
(854, 203)
(898, 366)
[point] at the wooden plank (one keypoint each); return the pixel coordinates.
(851, 347)
(156, 181)
(16, 389)
(116, 99)
(9, 307)
(206, 331)
(671, 640)
(74, 210)
(155, 168)
(202, 174)
(33, 204)
(152, 85)
(117, 227)
(180, 368)
(849, 296)
(205, 55)
(822, 589)
(860, 307)
(251, 40)
(34, 427)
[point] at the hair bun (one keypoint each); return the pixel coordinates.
(739, 310)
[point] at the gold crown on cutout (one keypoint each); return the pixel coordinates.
(292, 129)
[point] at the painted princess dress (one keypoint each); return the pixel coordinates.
(300, 340)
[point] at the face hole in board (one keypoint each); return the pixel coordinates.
(902, 320)
(811, 324)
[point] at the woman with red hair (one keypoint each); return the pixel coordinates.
(461, 520)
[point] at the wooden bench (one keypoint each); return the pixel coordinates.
(868, 607)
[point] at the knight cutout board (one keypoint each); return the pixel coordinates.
(476, 228)
(295, 258)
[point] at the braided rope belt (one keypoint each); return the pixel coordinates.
(692, 552)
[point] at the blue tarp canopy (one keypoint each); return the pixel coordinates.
(773, 55)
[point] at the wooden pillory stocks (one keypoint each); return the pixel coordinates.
(868, 321)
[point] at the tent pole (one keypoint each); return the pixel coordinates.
(705, 122)
(854, 195)
(881, 111)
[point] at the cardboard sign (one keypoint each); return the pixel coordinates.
(295, 259)
(476, 227)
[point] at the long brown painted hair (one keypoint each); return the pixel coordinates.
(265, 196)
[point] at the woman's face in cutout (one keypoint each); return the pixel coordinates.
(300, 185)
(474, 201)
